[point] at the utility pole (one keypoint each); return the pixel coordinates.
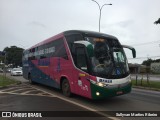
(100, 10)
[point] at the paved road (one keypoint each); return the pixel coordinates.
(26, 97)
(23, 97)
(137, 100)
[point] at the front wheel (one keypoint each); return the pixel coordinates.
(66, 88)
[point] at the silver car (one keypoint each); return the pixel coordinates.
(16, 71)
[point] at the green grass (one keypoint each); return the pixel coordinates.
(151, 84)
(4, 81)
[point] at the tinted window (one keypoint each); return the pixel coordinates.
(60, 50)
(72, 38)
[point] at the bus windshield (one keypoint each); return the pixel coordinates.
(109, 60)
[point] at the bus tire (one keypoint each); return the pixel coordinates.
(66, 88)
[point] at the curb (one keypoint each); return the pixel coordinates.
(147, 88)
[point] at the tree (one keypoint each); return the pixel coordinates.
(2, 54)
(147, 62)
(157, 22)
(1, 59)
(14, 55)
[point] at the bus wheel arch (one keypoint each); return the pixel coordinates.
(65, 87)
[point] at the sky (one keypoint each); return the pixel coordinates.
(24, 23)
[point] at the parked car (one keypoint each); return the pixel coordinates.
(16, 71)
(1, 71)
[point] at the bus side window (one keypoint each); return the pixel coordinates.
(60, 50)
(72, 38)
(81, 60)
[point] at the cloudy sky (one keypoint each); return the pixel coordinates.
(26, 22)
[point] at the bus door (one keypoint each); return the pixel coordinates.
(80, 74)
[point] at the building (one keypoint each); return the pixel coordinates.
(134, 68)
(155, 68)
(138, 68)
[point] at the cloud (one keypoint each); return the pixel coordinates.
(131, 21)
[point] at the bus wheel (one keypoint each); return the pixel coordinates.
(66, 88)
(30, 79)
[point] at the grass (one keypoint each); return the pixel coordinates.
(144, 83)
(5, 81)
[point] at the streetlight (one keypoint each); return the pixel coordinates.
(100, 9)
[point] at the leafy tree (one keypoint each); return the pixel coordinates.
(147, 62)
(1, 59)
(157, 60)
(14, 55)
(157, 22)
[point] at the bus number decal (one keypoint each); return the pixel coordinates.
(105, 80)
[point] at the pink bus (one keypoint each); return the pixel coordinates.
(85, 63)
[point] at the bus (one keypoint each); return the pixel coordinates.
(86, 63)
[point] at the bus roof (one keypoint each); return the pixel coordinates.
(89, 33)
(84, 32)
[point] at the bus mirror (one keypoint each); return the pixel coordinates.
(89, 47)
(131, 48)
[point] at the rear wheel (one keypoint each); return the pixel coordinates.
(66, 88)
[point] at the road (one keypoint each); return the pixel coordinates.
(137, 100)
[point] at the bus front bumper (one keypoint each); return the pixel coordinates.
(99, 92)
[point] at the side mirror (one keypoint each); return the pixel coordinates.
(131, 48)
(88, 46)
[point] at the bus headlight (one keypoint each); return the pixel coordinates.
(97, 93)
(100, 84)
